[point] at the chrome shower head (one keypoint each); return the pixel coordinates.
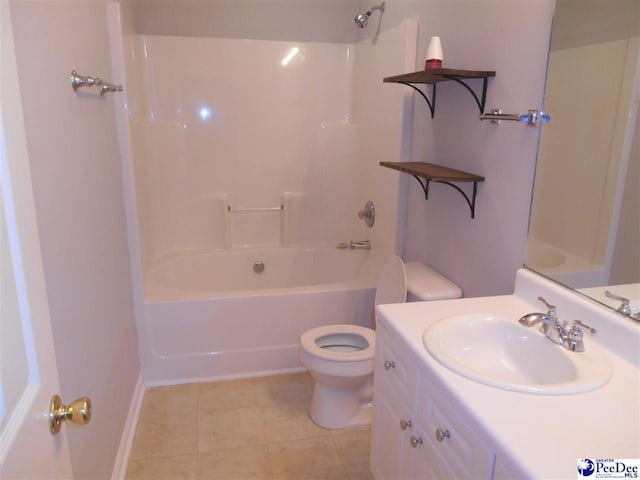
(362, 19)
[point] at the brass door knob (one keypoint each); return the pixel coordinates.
(79, 411)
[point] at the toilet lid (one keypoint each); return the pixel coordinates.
(361, 338)
(392, 283)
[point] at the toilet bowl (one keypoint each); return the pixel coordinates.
(340, 357)
(340, 360)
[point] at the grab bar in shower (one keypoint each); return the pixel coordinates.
(231, 209)
(78, 81)
(531, 117)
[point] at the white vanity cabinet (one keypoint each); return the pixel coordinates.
(416, 432)
(469, 428)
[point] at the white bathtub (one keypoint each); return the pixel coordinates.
(208, 315)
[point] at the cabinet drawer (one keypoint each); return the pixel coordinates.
(453, 450)
(395, 368)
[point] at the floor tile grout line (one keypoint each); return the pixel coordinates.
(340, 456)
(335, 445)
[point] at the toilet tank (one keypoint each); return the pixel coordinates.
(425, 283)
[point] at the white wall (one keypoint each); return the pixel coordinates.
(512, 38)
(75, 165)
(303, 21)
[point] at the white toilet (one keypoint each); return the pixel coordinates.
(340, 357)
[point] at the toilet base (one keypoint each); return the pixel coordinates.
(335, 408)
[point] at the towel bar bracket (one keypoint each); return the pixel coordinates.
(78, 81)
(531, 118)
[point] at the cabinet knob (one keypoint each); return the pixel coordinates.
(415, 441)
(389, 364)
(404, 424)
(442, 434)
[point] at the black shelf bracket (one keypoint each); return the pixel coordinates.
(480, 102)
(435, 76)
(432, 102)
(470, 201)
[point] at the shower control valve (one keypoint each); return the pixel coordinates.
(368, 214)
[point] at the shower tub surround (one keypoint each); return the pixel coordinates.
(246, 150)
(225, 130)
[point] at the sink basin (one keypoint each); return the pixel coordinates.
(498, 351)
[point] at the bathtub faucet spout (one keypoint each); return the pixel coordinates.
(357, 244)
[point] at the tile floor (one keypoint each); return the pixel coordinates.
(255, 428)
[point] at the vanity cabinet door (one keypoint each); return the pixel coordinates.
(391, 453)
(452, 449)
(396, 368)
(422, 458)
(396, 380)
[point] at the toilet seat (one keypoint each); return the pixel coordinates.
(345, 332)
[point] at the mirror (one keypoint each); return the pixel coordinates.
(584, 230)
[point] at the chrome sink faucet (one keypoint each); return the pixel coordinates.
(357, 244)
(571, 339)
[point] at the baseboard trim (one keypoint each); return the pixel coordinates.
(126, 440)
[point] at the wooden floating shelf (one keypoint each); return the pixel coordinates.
(437, 173)
(439, 75)
(433, 172)
(432, 77)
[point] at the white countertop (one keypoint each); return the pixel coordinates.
(537, 436)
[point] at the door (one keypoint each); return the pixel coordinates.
(28, 373)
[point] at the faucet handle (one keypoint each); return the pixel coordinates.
(575, 335)
(577, 324)
(624, 308)
(368, 214)
(575, 341)
(552, 308)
